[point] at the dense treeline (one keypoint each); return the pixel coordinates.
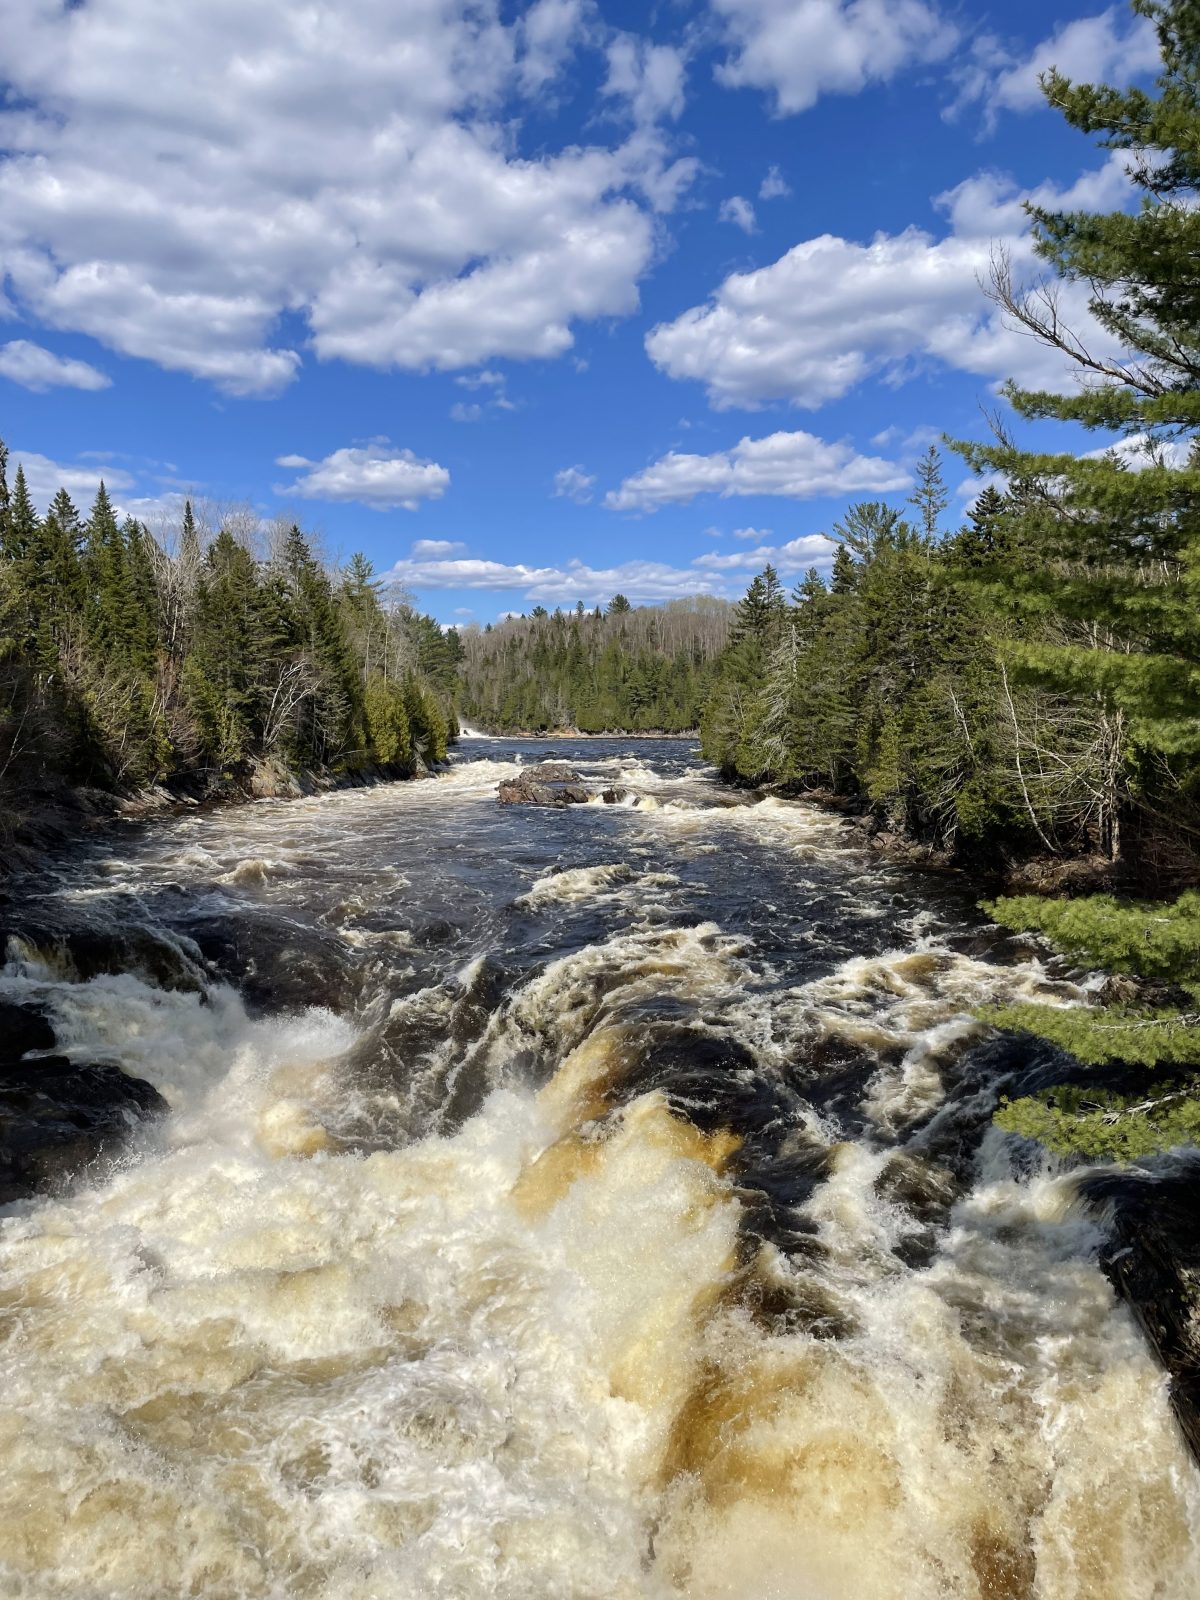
(1031, 681)
(636, 670)
(126, 659)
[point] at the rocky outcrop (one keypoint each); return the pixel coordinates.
(549, 783)
(57, 1116)
(1153, 1262)
(553, 783)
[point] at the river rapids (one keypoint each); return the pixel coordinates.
(573, 1205)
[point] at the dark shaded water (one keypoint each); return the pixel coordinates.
(598, 1202)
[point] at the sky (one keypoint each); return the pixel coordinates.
(529, 303)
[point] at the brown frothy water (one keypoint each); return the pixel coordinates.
(656, 1317)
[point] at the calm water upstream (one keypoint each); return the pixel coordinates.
(560, 1204)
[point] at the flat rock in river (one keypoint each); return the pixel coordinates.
(549, 783)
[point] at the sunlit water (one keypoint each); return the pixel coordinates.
(595, 1203)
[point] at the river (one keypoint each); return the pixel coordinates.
(585, 1203)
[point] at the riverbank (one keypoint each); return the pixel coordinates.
(34, 825)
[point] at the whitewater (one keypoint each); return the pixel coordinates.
(599, 1204)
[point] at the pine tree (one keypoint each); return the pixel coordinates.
(1117, 570)
(930, 496)
(1101, 574)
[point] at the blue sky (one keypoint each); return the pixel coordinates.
(528, 302)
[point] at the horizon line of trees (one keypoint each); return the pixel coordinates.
(619, 669)
(128, 659)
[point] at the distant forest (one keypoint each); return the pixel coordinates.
(129, 659)
(643, 670)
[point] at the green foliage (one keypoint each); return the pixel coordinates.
(1102, 1126)
(639, 670)
(1151, 940)
(387, 721)
(122, 663)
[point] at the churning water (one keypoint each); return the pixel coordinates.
(597, 1203)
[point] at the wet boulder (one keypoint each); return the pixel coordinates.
(1153, 1262)
(111, 943)
(548, 783)
(58, 1116)
(552, 772)
(277, 963)
(22, 1029)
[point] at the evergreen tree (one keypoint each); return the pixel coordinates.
(930, 496)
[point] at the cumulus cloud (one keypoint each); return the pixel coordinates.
(797, 465)
(573, 483)
(353, 166)
(1111, 47)
(424, 548)
(549, 32)
(648, 78)
(738, 210)
(486, 379)
(759, 535)
(797, 555)
(641, 581)
(831, 311)
(80, 479)
(465, 411)
(375, 475)
(774, 186)
(798, 50)
(36, 368)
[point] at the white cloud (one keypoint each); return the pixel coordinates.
(832, 312)
(648, 78)
(376, 475)
(481, 380)
(798, 50)
(774, 186)
(759, 535)
(1111, 47)
(549, 32)
(797, 465)
(573, 483)
(811, 550)
(428, 567)
(642, 581)
(45, 478)
(34, 367)
(1139, 451)
(738, 210)
(465, 412)
(424, 548)
(354, 167)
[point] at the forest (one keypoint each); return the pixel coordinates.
(129, 659)
(642, 670)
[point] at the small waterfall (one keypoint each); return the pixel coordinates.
(592, 1204)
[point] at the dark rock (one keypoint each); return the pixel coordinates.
(111, 947)
(528, 790)
(1153, 1262)
(613, 797)
(57, 1116)
(22, 1029)
(278, 964)
(551, 772)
